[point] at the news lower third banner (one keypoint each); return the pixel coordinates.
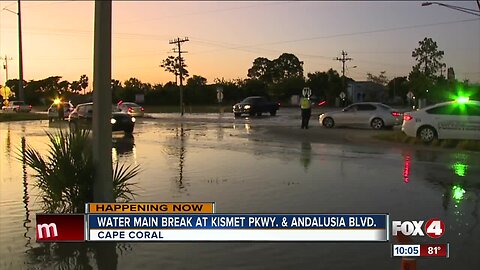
(190, 222)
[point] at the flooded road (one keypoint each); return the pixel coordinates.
(241, 166)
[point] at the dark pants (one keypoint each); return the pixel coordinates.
(306, 117)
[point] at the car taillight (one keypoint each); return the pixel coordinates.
(396, 114)
(130, 109)
(142, 109)
(407, 117)
(18, 106)
(30, 106)
(321, 103)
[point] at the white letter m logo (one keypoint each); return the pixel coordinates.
(52, 227)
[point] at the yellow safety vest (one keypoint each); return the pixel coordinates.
(305, 104)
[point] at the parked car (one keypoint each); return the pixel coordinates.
(131, 108)
(53, 111)
(17, 106)
(373, 114)
(81, 118)
(447, 120)
(255, 105)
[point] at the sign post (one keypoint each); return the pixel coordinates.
(219, 97)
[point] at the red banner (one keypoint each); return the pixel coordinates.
(60, 228)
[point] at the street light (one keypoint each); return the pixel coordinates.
(462, 9)
(20, 52)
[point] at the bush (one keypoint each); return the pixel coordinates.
(65, 175)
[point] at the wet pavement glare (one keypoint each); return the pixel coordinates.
(223, 161)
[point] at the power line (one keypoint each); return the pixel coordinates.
(205, 12)
(178, 42)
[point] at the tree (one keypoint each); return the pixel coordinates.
(318, 82)
(428, 57)
(63, 87)
(398, 86)
(419, 83)
(196, 81)
(287, 66)
(380, 79)
(83, 82)
(261, 70)
(171, 64)
(75, 87)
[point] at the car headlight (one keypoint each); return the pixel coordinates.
(246, 107)
(133, 119)
(113, 121)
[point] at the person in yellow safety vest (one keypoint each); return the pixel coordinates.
(306, 111)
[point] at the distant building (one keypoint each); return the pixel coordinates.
(366, 91)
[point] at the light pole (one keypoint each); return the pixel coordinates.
(20, 52)
(462, 9)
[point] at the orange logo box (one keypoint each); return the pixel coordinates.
(149, 208)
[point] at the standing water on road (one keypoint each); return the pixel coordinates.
(243, 173)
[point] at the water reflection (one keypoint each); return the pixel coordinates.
(306, 155)
(406, 166)
(460, 165)
(102, 256)
(123, 145)
(181, 156)
(26, 196)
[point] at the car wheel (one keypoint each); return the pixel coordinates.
(237, 114)
(427, 134)
(377, 123)
(273, 113)
(328, 122)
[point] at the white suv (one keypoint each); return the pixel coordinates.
(53, 112)
(447, 120)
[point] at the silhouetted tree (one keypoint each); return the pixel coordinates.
(172, 64)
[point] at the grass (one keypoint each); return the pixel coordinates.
(7, 117)
(399, 136)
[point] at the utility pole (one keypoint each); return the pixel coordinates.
(178, 42)
(343, 60)
(5, 66)
(102, 102)
(20, 55)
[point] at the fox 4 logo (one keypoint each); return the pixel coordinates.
(434, 228)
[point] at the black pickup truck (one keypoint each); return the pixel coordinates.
(255, 105)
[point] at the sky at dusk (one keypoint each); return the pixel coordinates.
(226, 36)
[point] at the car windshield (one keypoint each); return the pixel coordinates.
(253, 100)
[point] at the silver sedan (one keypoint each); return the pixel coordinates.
(373, 114)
